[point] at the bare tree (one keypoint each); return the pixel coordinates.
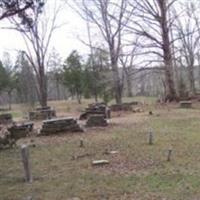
(111, 18)
(128, 61)
(37, 30)
(188, 43)
(55, 69)
(25, 84)
(92, 65)
(153, 23)
(194, 9)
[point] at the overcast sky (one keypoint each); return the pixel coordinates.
(65, 39)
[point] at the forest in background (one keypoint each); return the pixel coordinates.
(145, 48)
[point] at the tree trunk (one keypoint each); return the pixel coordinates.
(57, 89)
(198, 59)
(10, 100)
(42, 87)
(95, 92)
(170, 87)
(79, 98)
(191, 80)
(116, 78)
(129, 86)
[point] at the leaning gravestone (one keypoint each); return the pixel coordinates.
(96, 121)
(42, 113)
(185, 104)
(6, 118)
(60, 125)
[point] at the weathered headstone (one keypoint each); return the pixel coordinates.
(42, 113)
(96, 109)
(96, 121)
(185, 104)
(60, 125)
(26, 163)
(22, 130)
(6, 118)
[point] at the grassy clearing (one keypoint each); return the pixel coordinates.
(62, 170)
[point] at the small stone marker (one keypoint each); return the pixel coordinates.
(100, 162)
(26, 163)
(169, 155)
(150, 138)
(81, 143)
(185, 104)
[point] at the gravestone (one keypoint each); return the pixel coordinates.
(42, 113)
(6, 118)
(43, 108)
(96, 121)
(185, 104)
(5, 139)
(9, 134)
(22, 130)
(123, 106)
(60, 125)
(26, 163)
(96, 109)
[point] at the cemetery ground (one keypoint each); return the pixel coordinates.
(62, 170)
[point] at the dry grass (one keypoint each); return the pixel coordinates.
(62, 170)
